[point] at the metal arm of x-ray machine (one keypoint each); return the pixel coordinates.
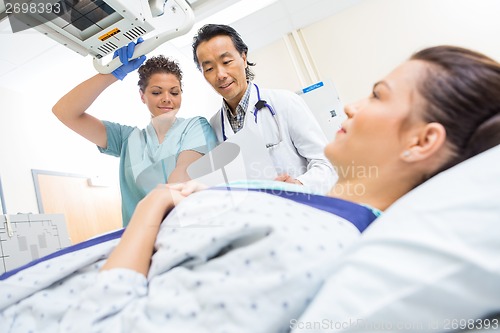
(100, 27)
(152, 43)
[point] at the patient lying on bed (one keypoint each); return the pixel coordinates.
(236, 260)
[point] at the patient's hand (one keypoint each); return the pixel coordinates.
(136, 245)
(188, 187)
(156, 205)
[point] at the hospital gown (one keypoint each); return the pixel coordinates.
(225, 261)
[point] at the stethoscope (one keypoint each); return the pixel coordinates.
(258, 106)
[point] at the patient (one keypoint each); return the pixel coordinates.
(437, 109)
(252, 260)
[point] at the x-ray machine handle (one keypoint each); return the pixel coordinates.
(152, 43)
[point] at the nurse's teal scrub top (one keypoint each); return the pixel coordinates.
(145, 163)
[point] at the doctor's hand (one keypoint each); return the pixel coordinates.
(187, 188)
(287, 179)
(125, 53)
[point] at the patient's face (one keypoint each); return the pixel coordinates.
(379, 127)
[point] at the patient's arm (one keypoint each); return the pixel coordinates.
(137, 243)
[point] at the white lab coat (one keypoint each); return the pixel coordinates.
(300, 153)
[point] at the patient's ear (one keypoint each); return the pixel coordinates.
(426, 143)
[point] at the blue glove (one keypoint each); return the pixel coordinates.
(125, 53)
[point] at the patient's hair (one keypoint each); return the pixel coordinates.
(158, 64)
(209, 31)
(462, 92)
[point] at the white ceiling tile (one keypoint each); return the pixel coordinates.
(302, 16)
(5, 26)
(40, 71)
(21, 47)
(6, 67)
(264, 26)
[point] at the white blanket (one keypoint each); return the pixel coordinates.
(226, 261)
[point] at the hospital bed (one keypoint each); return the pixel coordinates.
(429, 263)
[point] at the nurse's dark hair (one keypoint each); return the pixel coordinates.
(210, 31)
(158, 64)
(461, 88)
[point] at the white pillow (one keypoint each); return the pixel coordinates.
(430, 263)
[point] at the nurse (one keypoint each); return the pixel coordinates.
(281, 118)
(162, 151)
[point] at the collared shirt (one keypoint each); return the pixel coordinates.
(238, 119)
(300, 150)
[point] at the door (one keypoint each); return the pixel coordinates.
(89, 210)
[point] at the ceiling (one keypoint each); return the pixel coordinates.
(273, 19)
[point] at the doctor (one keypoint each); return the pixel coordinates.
(281, 118)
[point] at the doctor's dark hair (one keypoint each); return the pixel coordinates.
(158, 64)
(462, 92)
(209, 31)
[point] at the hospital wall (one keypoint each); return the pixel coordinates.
(358, 46)
(353, 48)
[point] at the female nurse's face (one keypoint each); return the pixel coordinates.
(162, 94)
(379, 127)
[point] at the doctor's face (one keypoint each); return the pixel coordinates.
(379, 128)
(162, 94)
(224, 68)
